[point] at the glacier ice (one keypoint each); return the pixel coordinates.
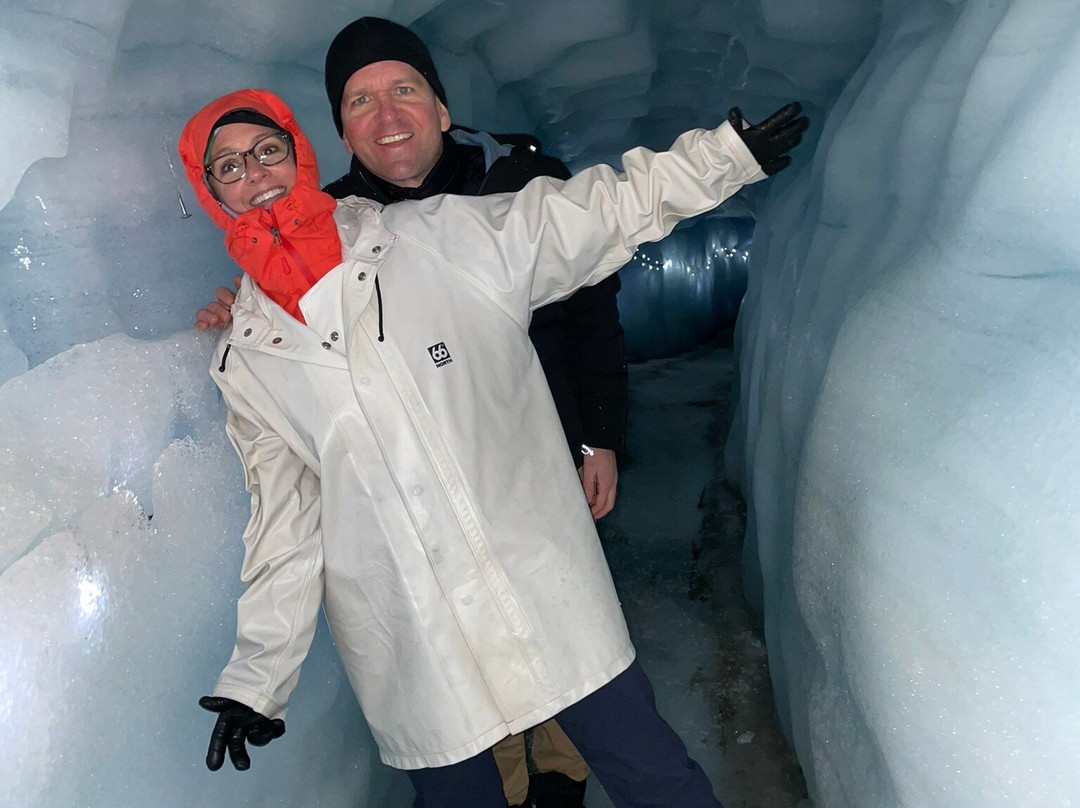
(905, 391)
(907, 395)
(122, 504)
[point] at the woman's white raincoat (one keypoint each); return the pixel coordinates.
(406, 463)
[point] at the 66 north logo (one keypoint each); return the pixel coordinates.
(439, 354)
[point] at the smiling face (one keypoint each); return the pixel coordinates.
(393, 122)
(261, 184)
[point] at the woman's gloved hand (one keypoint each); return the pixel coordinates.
(236, 724)
(772, 139)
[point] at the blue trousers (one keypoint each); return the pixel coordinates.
(636, 756)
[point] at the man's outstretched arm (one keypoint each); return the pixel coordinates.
(555, 238)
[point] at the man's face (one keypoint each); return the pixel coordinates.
(260, 184)
(393, 122)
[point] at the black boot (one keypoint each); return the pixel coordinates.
(555, 790)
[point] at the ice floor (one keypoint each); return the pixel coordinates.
(678, 572)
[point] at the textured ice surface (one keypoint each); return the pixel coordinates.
(112, 624)
(91, 422)
(907, 417)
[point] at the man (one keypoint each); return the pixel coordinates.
(381, 81)
(375, 71)
(400, 460)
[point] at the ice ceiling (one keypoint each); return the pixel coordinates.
(119, 79)
(908, 379)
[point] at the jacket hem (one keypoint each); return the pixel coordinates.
(586, 688)
(496, 734)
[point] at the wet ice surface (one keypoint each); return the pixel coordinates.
(674, 545)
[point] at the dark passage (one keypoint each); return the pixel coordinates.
(674, 544)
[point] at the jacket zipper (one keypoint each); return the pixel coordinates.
(298, 259)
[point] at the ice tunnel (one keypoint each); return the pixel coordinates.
(904, 392)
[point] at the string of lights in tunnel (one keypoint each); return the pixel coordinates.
(657, 265)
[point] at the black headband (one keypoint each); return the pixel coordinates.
(244, 115)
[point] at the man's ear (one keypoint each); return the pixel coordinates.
(444, 117)
(348, 148)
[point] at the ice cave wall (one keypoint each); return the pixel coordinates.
(903, 431)
(906, 424)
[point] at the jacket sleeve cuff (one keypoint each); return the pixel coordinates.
(258, 702)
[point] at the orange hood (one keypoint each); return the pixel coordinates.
(289, 247)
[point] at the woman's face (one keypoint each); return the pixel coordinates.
(236, 150)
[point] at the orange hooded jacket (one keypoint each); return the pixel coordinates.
(285, 249)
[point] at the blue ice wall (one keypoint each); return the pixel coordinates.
(906, 424)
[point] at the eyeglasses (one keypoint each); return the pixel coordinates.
(268, 150)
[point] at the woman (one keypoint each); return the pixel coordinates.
(402, 453)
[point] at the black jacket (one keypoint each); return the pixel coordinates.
(579, 340)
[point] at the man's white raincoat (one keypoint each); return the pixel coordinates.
(406, 464)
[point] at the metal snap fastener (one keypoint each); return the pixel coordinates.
(467, 600)
(247, 332)
(376, 249)
(417, 490)
(326, 345)
(362, 276)
(276, 340)
(334, 336)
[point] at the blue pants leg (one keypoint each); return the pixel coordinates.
(472, 783)
(636, 756)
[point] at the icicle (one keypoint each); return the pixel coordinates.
(184, 213)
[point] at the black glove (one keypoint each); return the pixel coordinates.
(771, 140)
(237, 723)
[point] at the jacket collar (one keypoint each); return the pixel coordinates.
(260, 324)
(258, 321)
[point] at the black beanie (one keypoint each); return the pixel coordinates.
(369, 40)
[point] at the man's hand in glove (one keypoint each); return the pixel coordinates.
(772, 139)
(237, 723)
